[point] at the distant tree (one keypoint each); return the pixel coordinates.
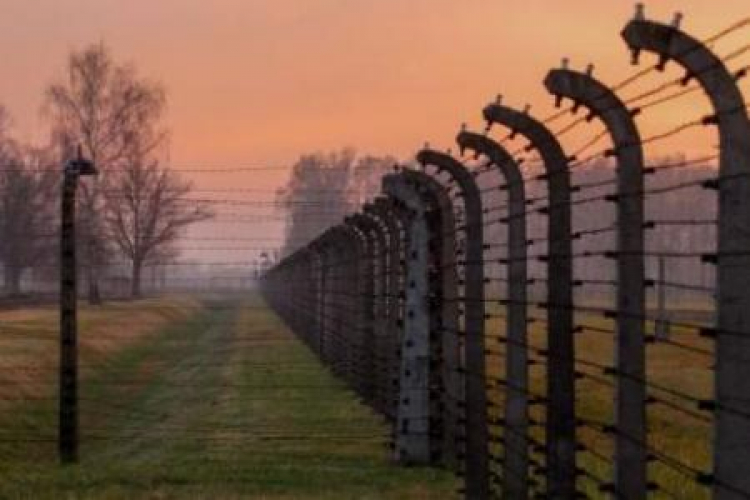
(110, 111)
(316, 196)
(324, 188)
(28, 209)
(368, 175)
(146, 212)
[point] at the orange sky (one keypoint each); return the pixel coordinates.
(257, 82)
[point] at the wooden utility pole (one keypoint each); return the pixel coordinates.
(68, 420)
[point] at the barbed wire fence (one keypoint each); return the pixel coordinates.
(534, 320)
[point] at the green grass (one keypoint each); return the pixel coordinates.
(221, 401)
(225, 403)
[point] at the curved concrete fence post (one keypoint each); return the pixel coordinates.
(475, 390)
(296, 273)
(402, 216)
(380, 376)
(372, 315)
(307, 276)
(288, 308)
(444, 301)
(303, 279)
(319, 306)
(384, 210)
(631, 458)
(328, 341)
(732, 428)
(358, 274)
(316, 285)
(324, 249)
(560, 435)
(361, 298)
(336, 305)
(344, 281)
(413, 428)
(515, 480)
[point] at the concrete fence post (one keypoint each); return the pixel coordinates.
(561, 417)
(476, 457)
(352, 284)
(384, 210)
(631, 458)
(325, 249)
(444, 301)
(732, 428)
(380, 376)
(413, 416)
(319, 270)
(515, 480)
(341, 285)
(372, 316)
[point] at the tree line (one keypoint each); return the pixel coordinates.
(323, 188)
(134, 210)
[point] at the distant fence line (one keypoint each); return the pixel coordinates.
(421, 300)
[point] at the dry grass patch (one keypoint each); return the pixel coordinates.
(29, 339)
(671, 432)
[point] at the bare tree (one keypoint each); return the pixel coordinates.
(367, 177)
(316, 195)
(109, 110)
(146, 212)
(28, 190)
(323, 188)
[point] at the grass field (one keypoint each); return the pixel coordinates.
(188, 398)
(681, 366)
(183, 398)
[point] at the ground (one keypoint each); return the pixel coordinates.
(215, 398)
(680, 372)
(187, 398)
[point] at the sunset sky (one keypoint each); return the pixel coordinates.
(258, 82)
